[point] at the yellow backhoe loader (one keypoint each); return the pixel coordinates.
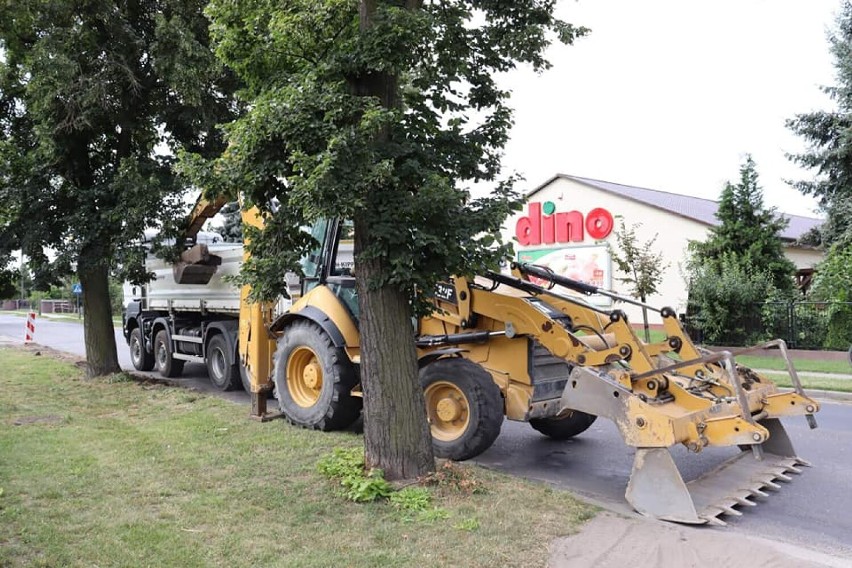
(514, 346)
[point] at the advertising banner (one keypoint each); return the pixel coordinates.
(590, 264)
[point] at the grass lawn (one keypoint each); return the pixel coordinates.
(812, 382)
(112, 472)
(802, 365)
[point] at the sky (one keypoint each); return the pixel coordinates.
(672, 94)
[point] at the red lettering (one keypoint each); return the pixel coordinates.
(536, 228)
(528, 229)
(569, 227)
(599, 223)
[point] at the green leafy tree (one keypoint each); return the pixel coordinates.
(729, 293)
(642, 268)
(827, 134)
(382, 112)
(88, 92)
(748, 230)
(829, 154)
(10, 283)
(833, 283)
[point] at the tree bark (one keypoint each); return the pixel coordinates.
(98, 333)
(396, 435)
(397, 438)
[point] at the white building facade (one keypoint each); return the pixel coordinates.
(568, 220)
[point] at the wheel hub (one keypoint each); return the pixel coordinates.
(311, 375)
(448, 409)
(304, 376)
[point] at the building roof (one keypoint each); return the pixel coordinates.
(696, 208)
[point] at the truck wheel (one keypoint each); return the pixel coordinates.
(141, 359)
(224, 376)
(167, 365)
(313, 379)
(564, 427)
(464, 407)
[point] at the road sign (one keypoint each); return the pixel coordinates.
(77, 289)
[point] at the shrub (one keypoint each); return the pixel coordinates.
(728, 295)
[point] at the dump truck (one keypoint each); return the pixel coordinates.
(522, 345)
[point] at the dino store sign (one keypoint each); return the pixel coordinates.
(542, 225)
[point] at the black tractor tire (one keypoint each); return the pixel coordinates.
(224, 376)
(244, 378)
(314, 379)
(464, 407)
(141, 359)
(564, 427)
(167, 365)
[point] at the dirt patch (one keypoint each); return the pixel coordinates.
(610, 541)
(50, 419)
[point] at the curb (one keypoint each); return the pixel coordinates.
(829, 396)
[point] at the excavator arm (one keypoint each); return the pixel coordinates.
(255, 343)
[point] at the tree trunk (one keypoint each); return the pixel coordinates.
(397, 438)
(396, 435)
(98, 333)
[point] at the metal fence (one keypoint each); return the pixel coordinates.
(803, 325)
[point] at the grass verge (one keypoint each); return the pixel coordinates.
(812, 382)
(802, 365)
(112, 472)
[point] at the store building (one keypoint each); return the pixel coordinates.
(568, 219)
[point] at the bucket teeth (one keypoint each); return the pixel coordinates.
(657, 490)
(731, 511)
(712, 520)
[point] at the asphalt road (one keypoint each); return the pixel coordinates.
(813, 511)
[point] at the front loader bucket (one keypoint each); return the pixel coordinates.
(656, 488)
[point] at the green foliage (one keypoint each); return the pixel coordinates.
(116, 296)
(470, 524)
(827, 134)
(642, 267)
(432, 515)
(833, 284)
(89, 95)
(728, 295)
(342, 463)
(385, 119)
(10, 283)
(748, 230)
(347, 466)
(412, 499)
(366, 488)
